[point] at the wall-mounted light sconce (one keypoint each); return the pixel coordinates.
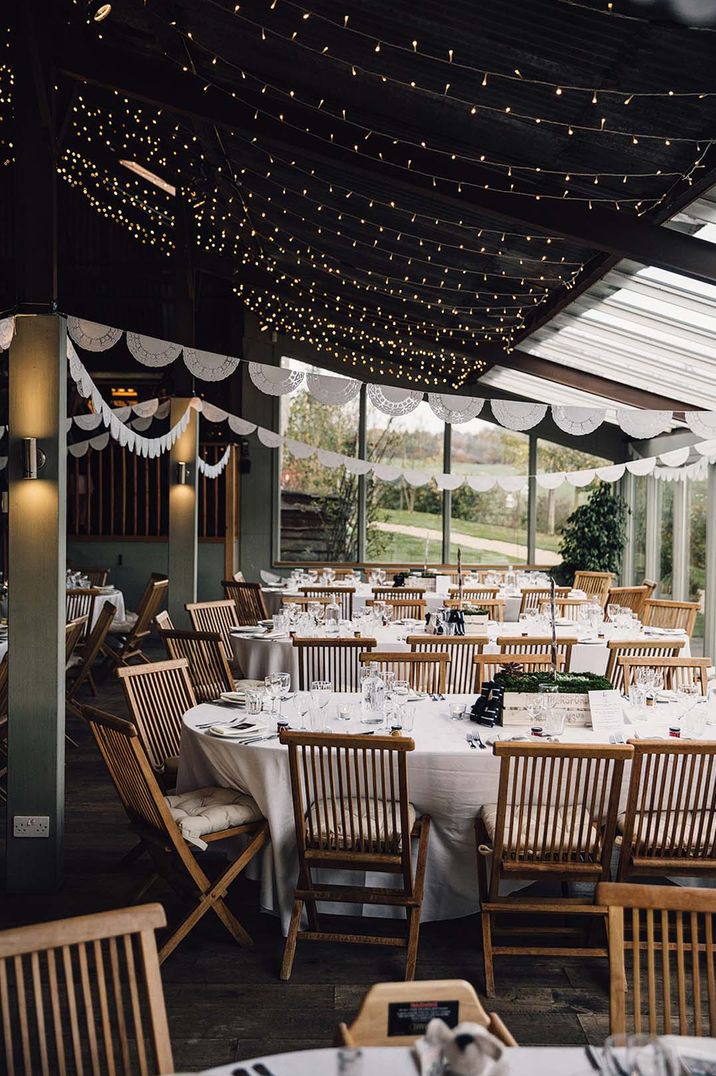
(182, 474)
(33, 458)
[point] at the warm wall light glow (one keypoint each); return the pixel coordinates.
(182, 474)
(33, 458)
(151, 177)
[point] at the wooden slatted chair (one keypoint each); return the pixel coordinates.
(650, 585)
(494, 607)
(555, 819)
(538, 644)
(84, 670)
(175, 829)
(371, 1026)
(637, 648)
(304, 604)
(488, 665)
(74, 631)
(80, 602)
(342, 596)
(474, 594)
(136, 628)
(352, 811)
(661, 959)
(163, 622)
(158, 695)
(85, 995)
(659, 613)
(209, 670)
(98, 577)
(386, 594)
(334, 660)
(424, 672)
(402, 607)
(217, 616)
(596, 584)
(565, 607)
(249, 601)
(669, 826)
(341, 573)
(460, 673)
(629, 598)
(676, 672)
(533, 596)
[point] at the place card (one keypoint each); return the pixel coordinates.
(606, 710)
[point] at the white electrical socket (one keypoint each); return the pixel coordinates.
(31, 825)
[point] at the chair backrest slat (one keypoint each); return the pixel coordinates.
(533, 596)
(676, 672)
(660, 613)
(84, 995)
(629, 598)
(248, 599)
(661, 959)
(335, 660)
(80, 603)
(596, 584)
(460, 675)
(158, 695)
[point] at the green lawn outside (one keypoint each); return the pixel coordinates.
(432, 521)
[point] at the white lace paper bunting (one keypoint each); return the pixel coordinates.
(386, 472)
(454, 409)
(357, 466)
(92, 336)
(213, 413)
(641, 467)
(577, 420)
(551, 481)
(146, 408)
(152, 352)
(275, 380)
(141, 424)
(269, 438)
(518, 416)
(643, 424)
(449, 481)
(298, 449)
(611, 474)
(702, 423)
(416, 478)
(676, 457)
(481, 483)
(213, 470)
(581, 478)
(7, 331)
(207, 366)
(393, 401)
(328, 458)
(333, 391)
(240, 426)
(88, 421)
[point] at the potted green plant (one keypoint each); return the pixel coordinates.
(520, 687)
(594, 536)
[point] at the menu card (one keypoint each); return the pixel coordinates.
(606, 710)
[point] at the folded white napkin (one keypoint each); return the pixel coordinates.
(231, 732)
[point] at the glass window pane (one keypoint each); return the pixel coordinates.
(639, 529)
(404, 522)
(554, 506)
(697, 548)
(319, 506)
(667, 540)
(490, 527)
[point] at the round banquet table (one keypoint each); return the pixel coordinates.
(400, 1060)
(448, 780)
(257, 656)
(116, 597)
(273, 596)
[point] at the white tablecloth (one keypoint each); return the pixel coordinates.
(116, 597)
(399, 1060)
(257, 657)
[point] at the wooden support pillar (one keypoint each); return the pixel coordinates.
(680, 555)
(183, 515)
(710, 595)
(652, 558)
(37, 526)
(447, 495)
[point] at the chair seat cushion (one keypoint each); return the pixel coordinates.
(551, 832)
(683, 833)
(209, 810)
(355, 827)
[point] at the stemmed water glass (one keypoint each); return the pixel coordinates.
(302, 702)
(273, 685)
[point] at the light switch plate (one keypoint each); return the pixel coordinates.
(31, 825)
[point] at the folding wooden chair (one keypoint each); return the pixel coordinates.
(74, 630)
(158, 695)
(659, 613)
(173, 828)
(342, 596)
(669, 826)
(474, 594)
(89, 654)
(566, 607)
(661, 959)
(596, 584)
(389, 594)
(371, 1026)
(555, 819)
(218, 616)
(676, 672)
(133, 632)
(488, 665)
(335, 660)
(637, 648)
(532, 597)
(425, 672)
(85, 995)
(402, 607)
(494, 607)
(461, 649)
(629, 598)
(352, 812)
(537, 644)
(80, 603)
(209, 670)
(248, 599)
(98, 577)
(306, 605)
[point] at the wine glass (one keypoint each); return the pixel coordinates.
(273, 684)
(302, 702)
(285, 689)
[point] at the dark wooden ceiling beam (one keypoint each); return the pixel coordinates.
(86, 59)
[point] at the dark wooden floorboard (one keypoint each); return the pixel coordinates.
(227, 1003)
